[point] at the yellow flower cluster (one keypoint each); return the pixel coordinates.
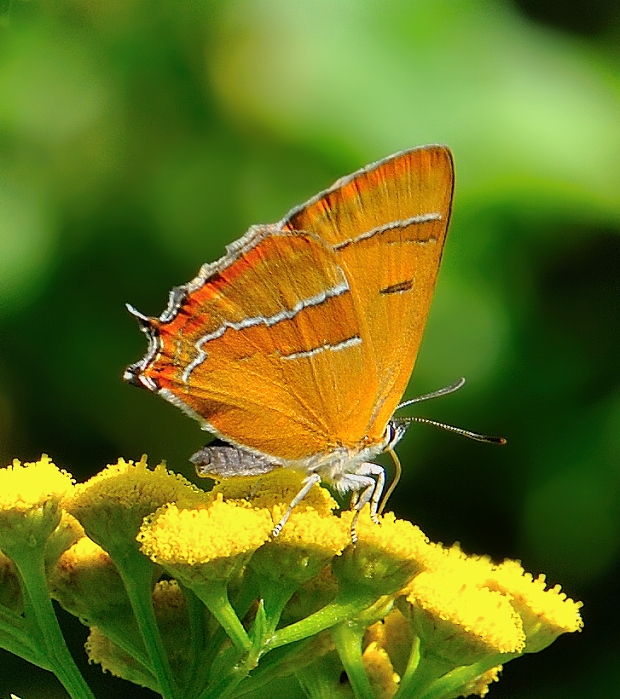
(24, 487)
(404, 614)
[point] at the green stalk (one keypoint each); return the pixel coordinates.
(227, 682)
(290, 661)
(427, 670)
(40, 611)
(214, 595)
(415, 657)
(136, 572)
(348, 638)
(198, 665)
(333, 613)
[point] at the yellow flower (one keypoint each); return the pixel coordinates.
(461, 622)
(546, 613)
(30, 496)
(203, 548)
(386, 556)
(211, 540)
(86, 583)
(111, 505)
(31, 485)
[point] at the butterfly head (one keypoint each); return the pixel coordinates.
(395, 431)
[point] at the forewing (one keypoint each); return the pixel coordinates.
(264, 347)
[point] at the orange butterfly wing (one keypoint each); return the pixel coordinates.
(262, 346)
(301, 339)
(388, 224)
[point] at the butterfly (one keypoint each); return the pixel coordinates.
(296, 346)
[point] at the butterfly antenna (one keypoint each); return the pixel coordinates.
(450, 428)
(398, 470)
(435, 394)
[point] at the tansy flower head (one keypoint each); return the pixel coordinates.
(461, 622)
(307, 543)
(86, 583)
(30, 496)
(101, 650)
(204, 548)
(211, 541)
(26, 486)
(111, 505)
(386, 557)
(546, 613)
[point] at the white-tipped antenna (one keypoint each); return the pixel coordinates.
(435, 394)
(442, 425)
(450, 428)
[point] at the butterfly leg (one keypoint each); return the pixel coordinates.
(368, 485)
(308, 483)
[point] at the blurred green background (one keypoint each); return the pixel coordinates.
(138, 138)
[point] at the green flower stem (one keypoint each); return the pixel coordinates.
(214, 595)
(451, 684)
(348, 638)
(275, 596)
(198, 665)
(136, 572)
(226, 685)
(39, 610)
(412, 665)
(287, 661)
(244, 599)
(342, 608)
(429, 668)
(226, 682)
(229, 666)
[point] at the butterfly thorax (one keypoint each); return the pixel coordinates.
(335, 467)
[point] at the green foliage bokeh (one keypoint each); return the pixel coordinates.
(138, 138)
